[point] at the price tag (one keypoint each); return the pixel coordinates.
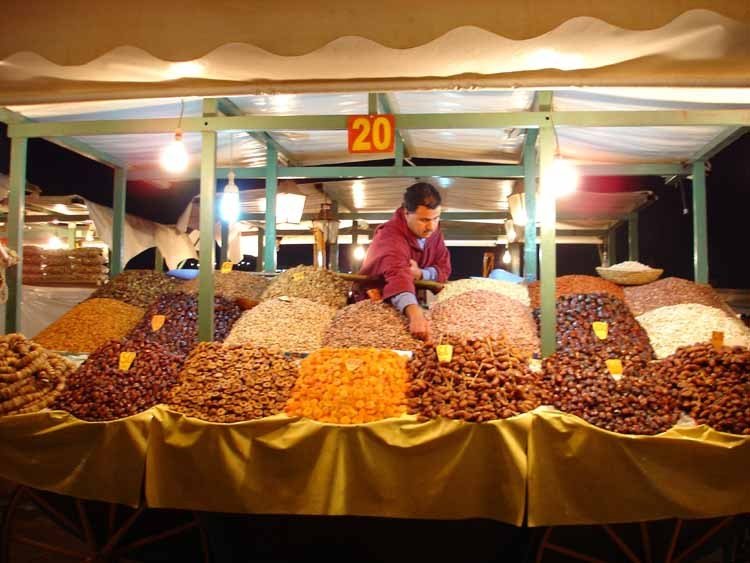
(285, 298)
(126, 360)
(444, 353)
(535, 365)
(226, 267)
(615, 368)
(371, 133)
(717, 339)
(299, 276)
(157, 321)
(601, 329)
(374, 295)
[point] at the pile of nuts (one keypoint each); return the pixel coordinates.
(485, 380)
(350, 386)
(233, 285)
(626, 339)
(31, 378)
(223, 383)
(671, 327)
(138, 287)
(311, 283)
(285, 324)
(481, 314)
(90, 324)
(99, 390)
(671, 291)
(635, 404)
(514, 290)
(368, 324)
(567, 285)
(179, 334)
(714, 384)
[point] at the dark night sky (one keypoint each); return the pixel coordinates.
(665, 233)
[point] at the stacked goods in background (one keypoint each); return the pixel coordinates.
(78, 266)
(222, 383)
(482, 314)
(31, 378)
(484, 380)
(138, 287)
(89, 325)
(311, 283)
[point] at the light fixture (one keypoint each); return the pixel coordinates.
(289, 208)
(517, 205)
(359, 253)
(174, 158)
(230, 201)
(506, 257)
(510, 230)
(54, 243)
(561, 178)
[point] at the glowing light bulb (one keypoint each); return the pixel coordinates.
(230, 201)
(359, 253)
(506, 257)
(561, 178)
(174, 158)
(55, 243)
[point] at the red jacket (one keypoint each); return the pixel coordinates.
(391, 249)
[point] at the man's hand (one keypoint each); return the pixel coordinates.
(416, 271)
(419, 326)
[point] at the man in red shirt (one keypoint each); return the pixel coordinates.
(410, 247)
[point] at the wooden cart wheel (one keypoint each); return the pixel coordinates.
(668, 541)
(43, 526)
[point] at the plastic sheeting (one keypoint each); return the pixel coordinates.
(41, 306)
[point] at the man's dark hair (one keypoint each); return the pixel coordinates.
(421, 193)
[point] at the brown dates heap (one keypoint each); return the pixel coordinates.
(485, 380)
(223, 383)
(99, 390)
(714, 384)
(580, 384)
(138, 287)
(180, 331)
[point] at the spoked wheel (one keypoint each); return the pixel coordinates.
(668, 541)
(47, 527)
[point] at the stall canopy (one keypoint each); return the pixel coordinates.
(81, 50)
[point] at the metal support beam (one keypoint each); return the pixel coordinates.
(207, 221)
(719, 143)
(158, 260)
(272, 180)
(372, 103)
(118, 221)
(548, 256)
(224, 241)
(700, 223)
(333, 256)
(259, 261)
(16, 204)
(530, 183)
(400, 150)
(377, 216)
(633, 244)
(612, 246)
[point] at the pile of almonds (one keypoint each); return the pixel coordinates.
(311, 283)
(485, 380)
(567, 285)
(31, 378)
(100, 390)
(179, 334)
(138, 287)
(671, 291)
(481, 314)
(368, 324)
(223, 383)
(714, 384)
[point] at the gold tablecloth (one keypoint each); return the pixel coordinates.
(395, 468)
(55, 451)
(580, 474)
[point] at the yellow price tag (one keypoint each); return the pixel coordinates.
(299, 276)
(717, 339)
(226, 267)
(615, 368)
(285, 298)
(157, 321)
(535, 365)
(126, 360)
(444, 353)
(601, 329)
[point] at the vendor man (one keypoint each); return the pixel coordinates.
(407, 248)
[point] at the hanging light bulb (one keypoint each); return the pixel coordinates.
(510, 230)
(54, 243)
(506, 257)
(359, 253)
(174, 158)
(561, 178)
(230, 201)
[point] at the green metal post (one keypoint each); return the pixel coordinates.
(16, 210)
(259, 262)
(399, 150)
(207, 220)
(548, 258)
(118, 221)
(372, 104)
(612, 246)
(700, 223)
(633, 244)
(224, 241)
(333, 256)
(272, 180)
(530, 175)
(158, 260)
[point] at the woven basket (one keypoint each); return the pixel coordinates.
(622, 277)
